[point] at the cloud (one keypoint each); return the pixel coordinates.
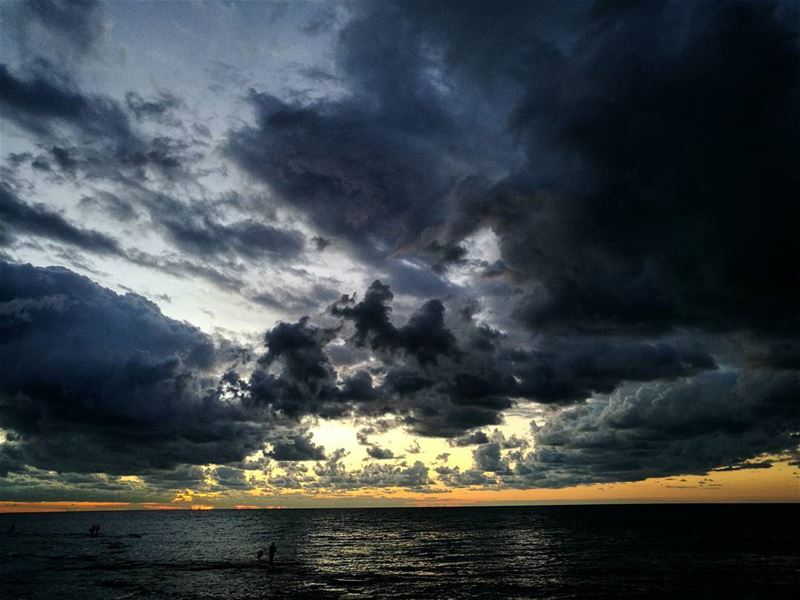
(573, 369)
(306, 380)
(404, 381)
(487, 457)
(296, 448)
(229, 478)
(140, 395)
(57, 27)
(476, 437)
(49, 106)
(332, 475)
(202, 236)
(99, 401)
(484, 374)
(294, 301)
(615, 168)
(424, 336)
(370, 168)
(353, 175)
(159, 109)
(118, 208)
(629, 168)
(179, 478)
(637, 210)
(38, 220)
(711, 420)
(31, 103)
(379, 453)
(455, 477)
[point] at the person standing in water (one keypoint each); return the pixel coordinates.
(272, 550)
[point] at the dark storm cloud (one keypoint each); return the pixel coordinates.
(775, 351)
(403, 381)
(654, 206)
(487, 457)
(643, 124)
(424, 337)
(574, 369)
(295, 377)
(11, 459)
(446, 256)
(231, 478)
(299, 347)
(636, 163)
(482, 375)
(656, 429)
(33, 102)
(476, 437)
(659, 190)
(40, 221)
(136, 396)
(296, 448)
(359, 388)
(370, 169)
(355, 175)
(485, 389)
(434, 416)
(659, 194)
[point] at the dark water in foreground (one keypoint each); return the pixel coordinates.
(709, 551)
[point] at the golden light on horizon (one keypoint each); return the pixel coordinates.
(779, 483)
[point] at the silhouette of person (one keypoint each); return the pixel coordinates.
(272, 550)
(260, 554)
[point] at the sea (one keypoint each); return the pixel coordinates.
(546, 552)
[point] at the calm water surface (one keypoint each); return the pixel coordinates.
(707, 551)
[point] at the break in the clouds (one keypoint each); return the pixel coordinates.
(410, 219)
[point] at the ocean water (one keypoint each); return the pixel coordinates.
(654, 551)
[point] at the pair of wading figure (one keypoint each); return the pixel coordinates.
(272, 550)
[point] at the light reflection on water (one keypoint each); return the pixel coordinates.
(535, 552)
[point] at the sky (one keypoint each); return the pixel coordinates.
(330, 254)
